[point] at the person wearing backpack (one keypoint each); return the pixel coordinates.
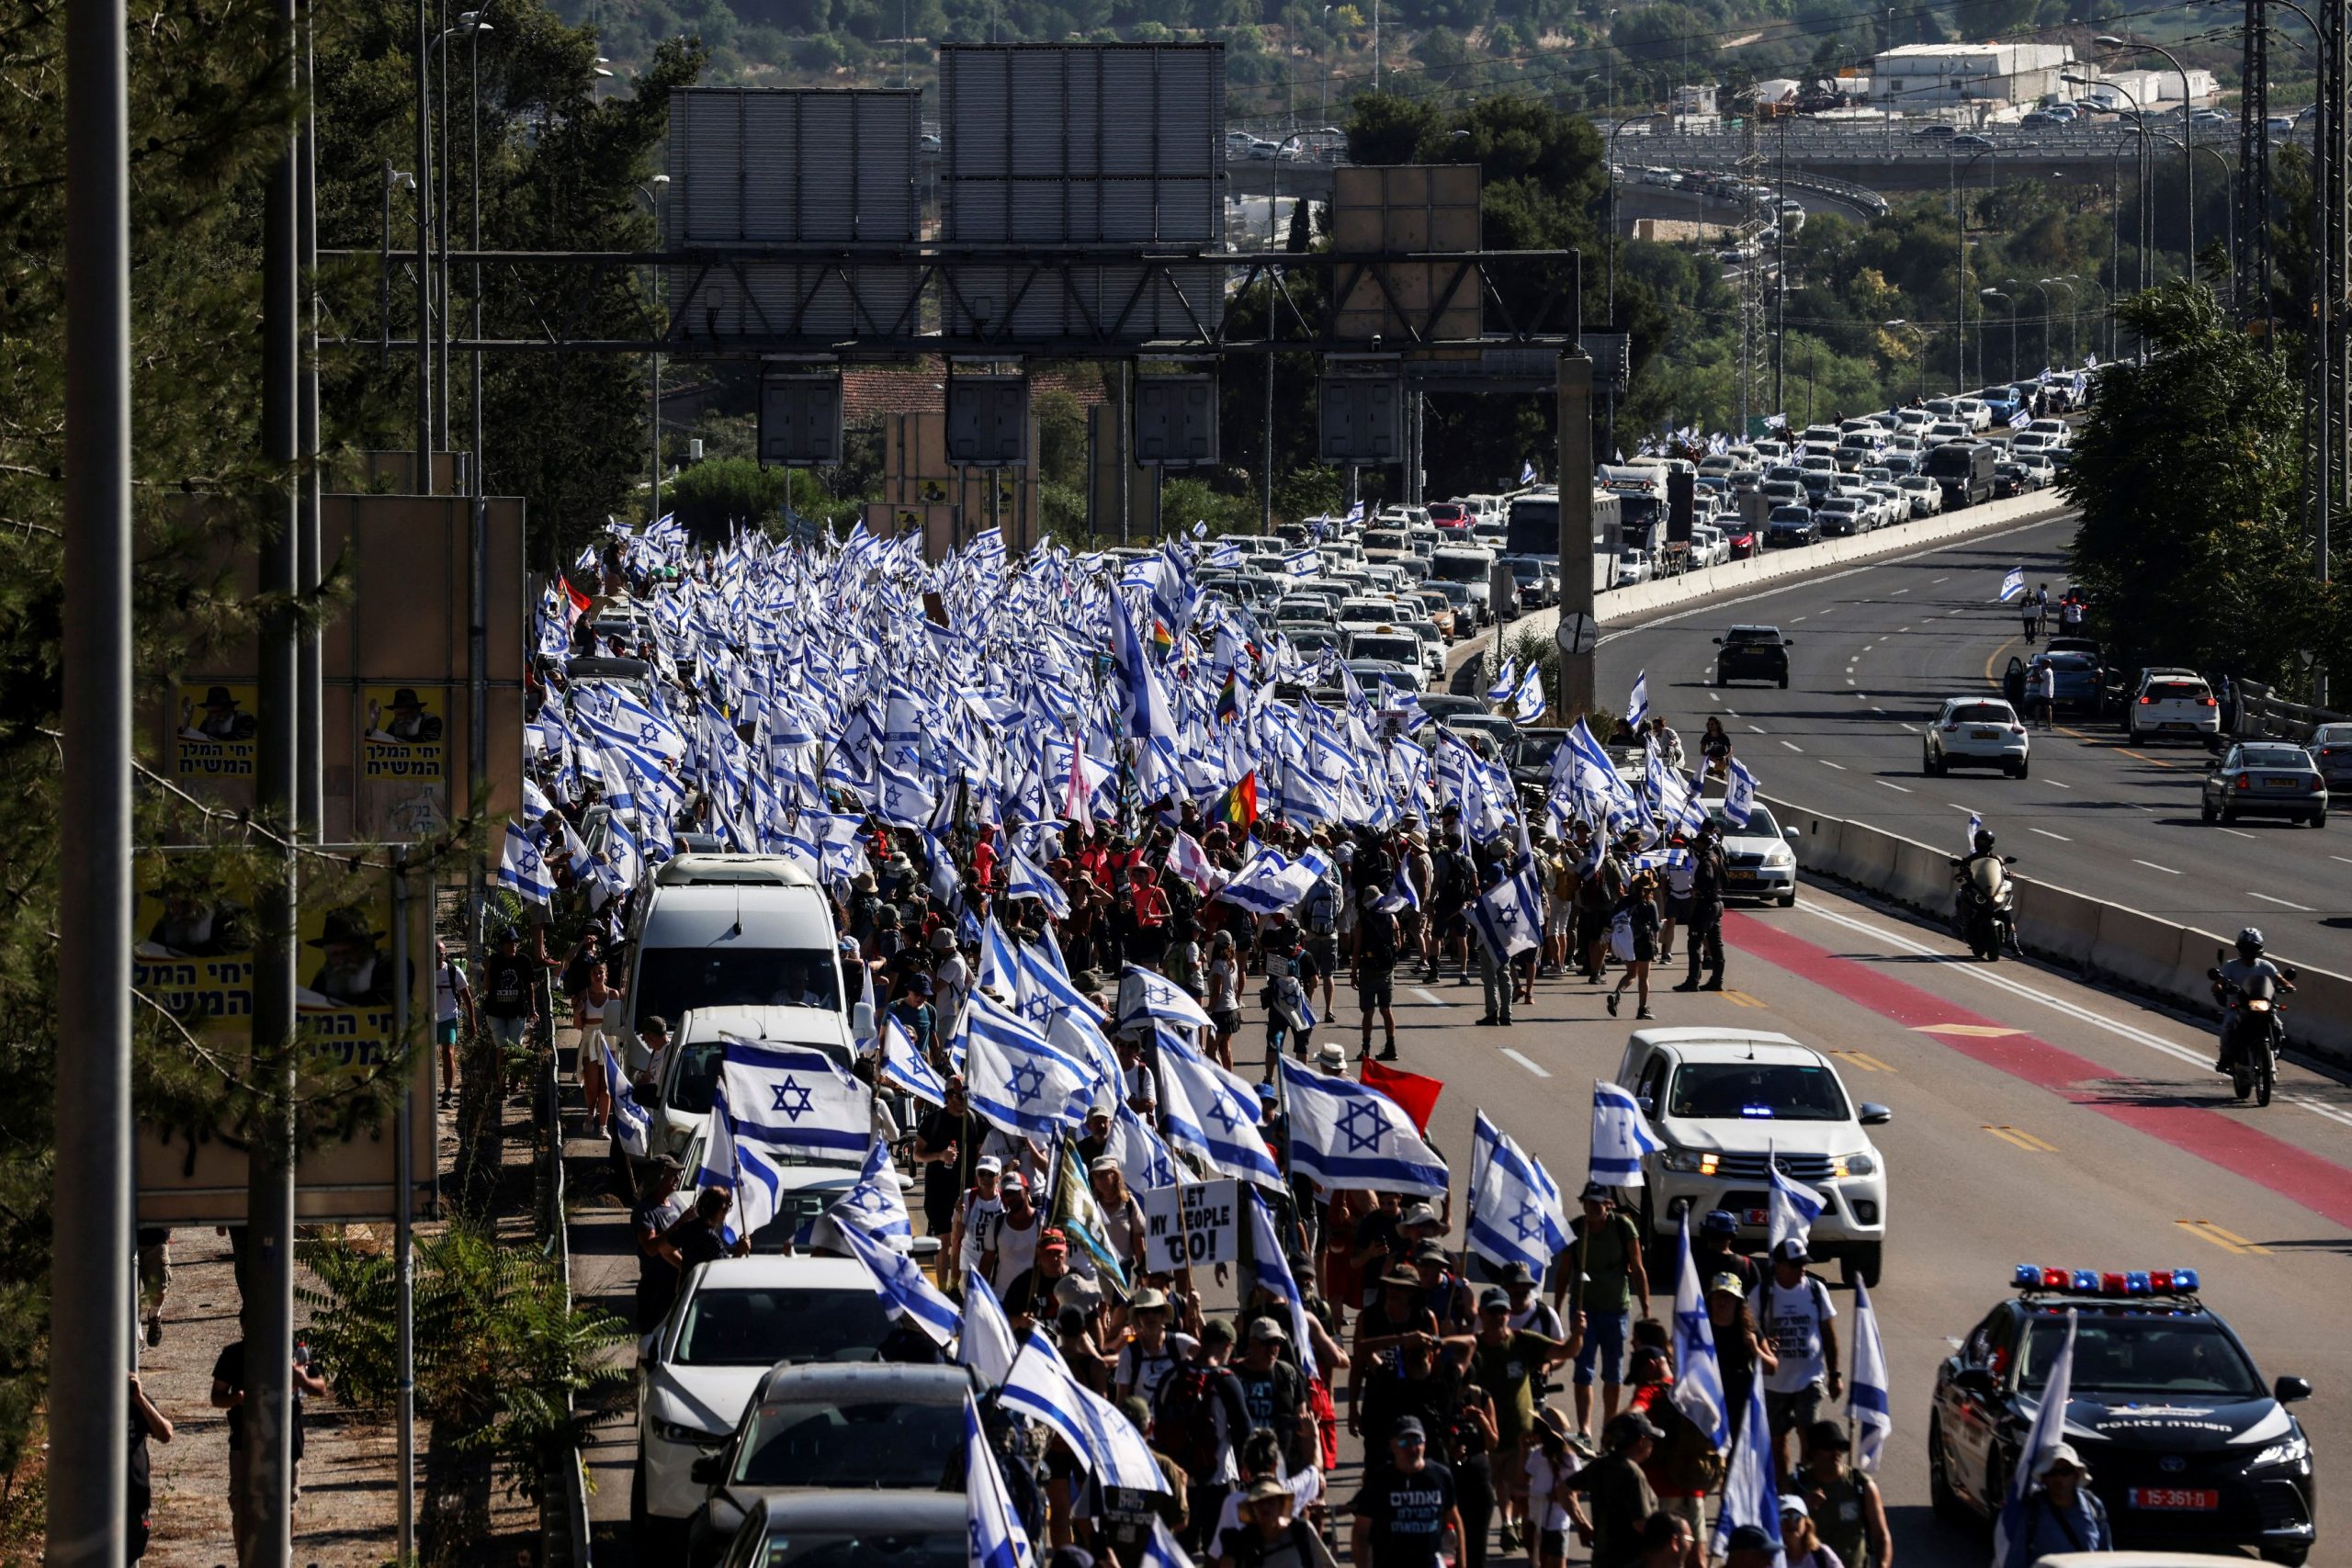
(1684, 1465)
(1196, 1417)
(1795, 1317)
(1848, 1509)
(1602, 1278)
(1319, 913)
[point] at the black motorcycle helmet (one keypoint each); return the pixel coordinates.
(1983, 842)
(2250, 944)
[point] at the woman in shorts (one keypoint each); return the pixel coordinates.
(1223, 1004)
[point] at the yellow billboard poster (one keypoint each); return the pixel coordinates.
(217, 730)
(404, 734)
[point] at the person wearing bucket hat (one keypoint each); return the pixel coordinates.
(2061, 1513)
(352, 967)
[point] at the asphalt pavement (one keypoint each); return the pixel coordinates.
(1875, 650)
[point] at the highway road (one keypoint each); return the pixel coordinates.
(1876, 649)
(2035, 1120)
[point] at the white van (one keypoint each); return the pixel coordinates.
(730, 931)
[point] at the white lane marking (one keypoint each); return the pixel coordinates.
(1528, 1063)
(1827, 763)
(1958, 807)
(1432, 998)
(1939, 580)
(2234, 831)
(1794, 618)
(2282, 903)
(1826, 611)
(1878, 710)
(1849, 680)
(1759, 729)
(1899, 789)
(1712, 698)
(1903, 591)
(2057, 785)
(1912, 727)
(2346, 858)
(1900, 630)
(2138, 1036)
(1793, 747)
(2048, 834)
(2154, 866)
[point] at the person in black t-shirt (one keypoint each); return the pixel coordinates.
(229, 1394)
(1405, 1507)
(700, 1237)
(508, 998)
(947, 1142)
(1274, 1393)
(656, 1213)
(1375, 967)
(146, 1422)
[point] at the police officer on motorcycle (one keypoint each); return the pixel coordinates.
(2231, 982)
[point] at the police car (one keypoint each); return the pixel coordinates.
(2188, 1446)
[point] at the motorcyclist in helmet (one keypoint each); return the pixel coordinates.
(2231, 981)
(1983, 850)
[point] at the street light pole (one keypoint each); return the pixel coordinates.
(1997, 294)
(653, 194)
(2187, 163)
(424, 251)
(1921, 359)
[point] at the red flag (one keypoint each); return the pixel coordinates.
(1416, 1094)
(576, 599)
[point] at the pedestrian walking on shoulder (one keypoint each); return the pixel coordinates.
(1704, 940)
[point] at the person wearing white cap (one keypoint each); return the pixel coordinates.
(976, 1214)
(2061, 1514)
(1793, 1312)
(1801, 1542)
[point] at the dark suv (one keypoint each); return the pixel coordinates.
(1752, 653)
(2188, 1446)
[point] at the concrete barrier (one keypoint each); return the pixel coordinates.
(2100, 940)
(1618, 605)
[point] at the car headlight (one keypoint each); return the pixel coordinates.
(1693, 1162)
(1779, 857)
(2293, 1450)
(1862, 1164)
(684, 1435)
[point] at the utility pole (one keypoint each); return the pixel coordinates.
(310, 805)
(2253, 194)
(1576, 655)
(424, 251)
(90, 1286)
(269, 1306)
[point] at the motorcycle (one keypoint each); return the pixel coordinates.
(1986, 909)
(2254, 1030)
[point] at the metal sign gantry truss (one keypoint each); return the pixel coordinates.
(1532, 294)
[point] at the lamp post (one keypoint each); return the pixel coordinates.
(469, 23)
(1921, 358)
(1960, 281)
(1274, 178)
(2065, 281)
(1609, 43)
(1997, 294)
(653, 194)
(2187, 164)
(424, 252)
(394, 179)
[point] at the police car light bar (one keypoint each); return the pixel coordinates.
(2092, 1282)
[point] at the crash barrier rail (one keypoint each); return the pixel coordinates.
(2261, 717)
(563, 1494)
(1878, 144)
(2100, 940)
(1843, 190)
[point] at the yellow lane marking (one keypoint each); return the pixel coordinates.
(1864, 1060)
(2022, 1140)
(1990, 679)
(2228, 1241)
(1973, 1031)
(2143, 757)
(1741, 998)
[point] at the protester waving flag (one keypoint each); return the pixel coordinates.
(904, 1067)
(1025, 880)
(522, 867)
(1527, 473)
(632, 1124)
(1516, 1214)
(1699, 1376)
(1016, 1081)
(995, 1535)
(1621, 1137)
(1637, 705)
(2012, 583)
(750, 1175)
(1145, 996)
(796, 1100)
(1346, 1135)
(1740, 795)
(1975, 825)
(1207, 1116)
(1270, 1269)
(2049, 1430)
(1751, 1496)
(875, 1205)
(1506, 681)
(1869, 1395)
(1527, 702)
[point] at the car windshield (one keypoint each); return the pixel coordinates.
(1767, 635)
(2332, 734)
(1760, 823)
(2131, 1355)
(2176, 691)
(827, 1549)
(884, 1443)
(1394, 649)
(2275, 757)
(1534, 751)
(762, 1326)
(1982, 712)
(671, 979)
(1455, 567)
(1756, 1091)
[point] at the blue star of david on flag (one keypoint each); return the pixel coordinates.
(1028, 1082)
(794, 1098)
(1362, 1126)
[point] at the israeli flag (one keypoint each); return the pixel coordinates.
(986, 1344)
(1740, 795)
(1097, 1435)
(904, 1067)
(1017, 1082)
(1637, 707)
(1144, 996)
(905, 1294)
(1698, 1389)
(1270, 1266)
(1344, 1133)
(1516, 1214)
(1025, 879)
(1224, 554)
(1162, 1550)
(753, 1177)
(1975, 825)
(1869, 1395)
(1355, 514)
(795, 1099)
(522, 867)
(875, 1205)
(996, 1538)
(1621, 1137)
(1527, 700)
(1143, 1157)
(1751, 1496)
(2018, 418)
(1303, 563)
(1400, 892)
(1208, 1116)
(1527, 473)
(632, 1124)
(1793, 1208)
(1505, 680)
(999, 963)
(2048, 1431)
(2012, 583)
(1510, 915)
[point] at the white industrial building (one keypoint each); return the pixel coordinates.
(1918, 77)
(2146, 89)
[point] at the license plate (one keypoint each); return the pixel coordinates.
(2175, 724)
(1756, 1216)
(1743, 876)
(1984, 735)
(2278, 784)
(2175, 1498)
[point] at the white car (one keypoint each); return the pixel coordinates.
(1893, 506)
(1945, 430)
(1925, 496)
(1976, 412)
(1757, 855)
(1912, 421)
(1632, 568)
(1723, 1102)
(1976, 732)
(2172, 704)
(2026, 441)
(733, 1321)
